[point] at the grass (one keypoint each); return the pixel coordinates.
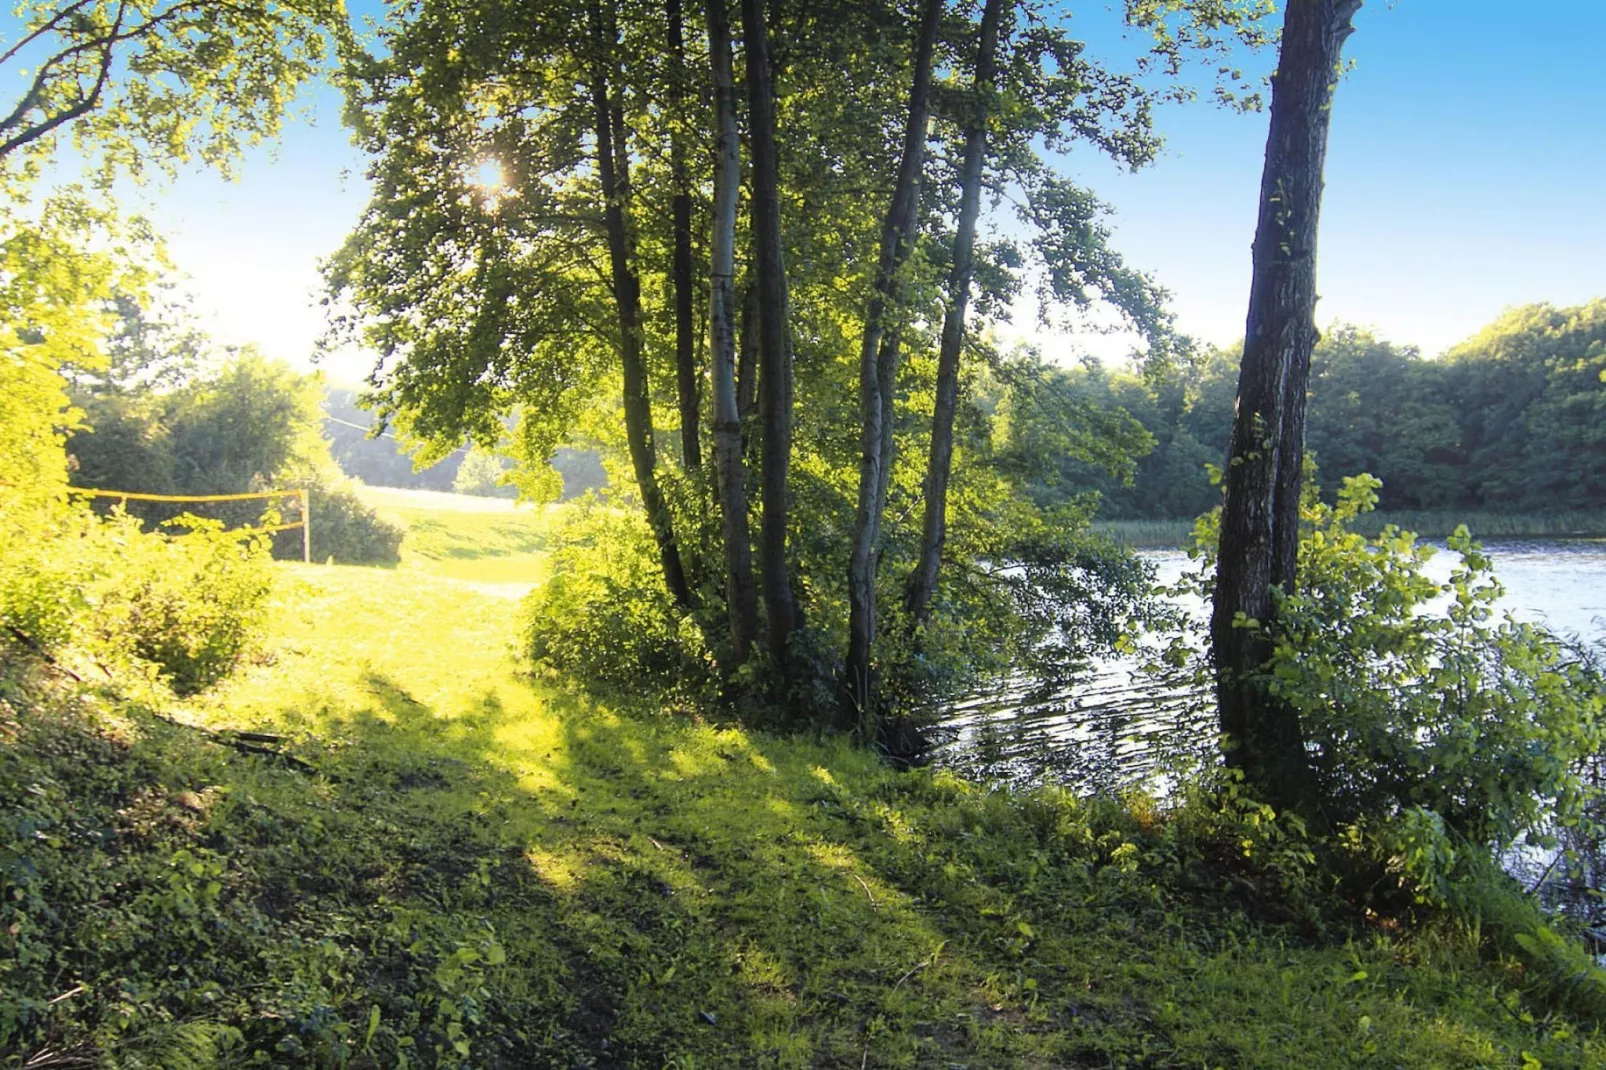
(478, 540)
(478, 869)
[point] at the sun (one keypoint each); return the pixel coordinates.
(490, 178)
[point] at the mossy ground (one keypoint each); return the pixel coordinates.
(482, 870)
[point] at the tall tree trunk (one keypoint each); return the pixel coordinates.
(1260, 513)
(741, 596)
(613, 171)
(747, 355)
(878, 370)
(680, 211)
(922, 584)
(775, 353)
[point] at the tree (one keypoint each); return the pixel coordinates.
(52, 293)
(479, 302)
(774, 335)
(529, 298)
(741, 597)
(686, 373)
(1260, 512)
(878, 368)
(612, 146)
(922, 583)
(130, 80)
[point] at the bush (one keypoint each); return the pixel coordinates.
(1478, 718)
(185, 600)
(604, 616)
(343, 528)
(253, 424)
(183, 603)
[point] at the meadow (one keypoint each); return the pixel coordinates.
(383, 842)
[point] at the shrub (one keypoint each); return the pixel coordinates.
(604, 616)
(1474, 716)
(343, 528)
(185, 600)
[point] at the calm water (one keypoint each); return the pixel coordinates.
(1118, 728)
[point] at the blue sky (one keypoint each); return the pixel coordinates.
(1466, 173)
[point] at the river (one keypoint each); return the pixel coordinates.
(1118, 729)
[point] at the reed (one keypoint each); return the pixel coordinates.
(1435, 524)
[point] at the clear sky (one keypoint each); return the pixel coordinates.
(1466, 173)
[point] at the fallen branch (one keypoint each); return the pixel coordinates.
(38, 649)
(245, 742)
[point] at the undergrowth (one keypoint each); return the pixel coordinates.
(476, 871)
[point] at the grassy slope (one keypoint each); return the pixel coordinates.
(500, 873)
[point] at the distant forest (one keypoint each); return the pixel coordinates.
(1512, 420)
(381, 462)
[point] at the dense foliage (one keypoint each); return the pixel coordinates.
(1029, 588)
(168, 414)
(133, 88)
(563, 296)
(1420, 696)
(1441, 734)
(1508, 421)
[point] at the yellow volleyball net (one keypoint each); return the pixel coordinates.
(302, 499)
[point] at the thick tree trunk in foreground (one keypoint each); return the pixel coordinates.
(741, 596)
(1260, 514)
(775, 352)
(686, 384)
(922, 584)
(613, 171)
(878, 369)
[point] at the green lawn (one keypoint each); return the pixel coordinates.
(476, 868)
(488, 541)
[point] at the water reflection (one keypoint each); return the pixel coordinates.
(1120, 729)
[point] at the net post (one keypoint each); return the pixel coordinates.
(306, 529)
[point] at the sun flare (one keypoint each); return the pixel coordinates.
(490, 178)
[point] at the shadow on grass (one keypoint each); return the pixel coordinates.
(492, 887)
(474, 536)
(701, 901)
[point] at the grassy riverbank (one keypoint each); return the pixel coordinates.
(461, 866)
(1170, 534)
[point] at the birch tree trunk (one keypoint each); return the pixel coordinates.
(741, 596)
(922, 583)
(878, 370)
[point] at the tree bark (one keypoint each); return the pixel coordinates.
(686, 377)
(747, 355)
(878, 370)
(613, 172)
(1260, 512)
(775, 363)
(741, 596)
(922, 584)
